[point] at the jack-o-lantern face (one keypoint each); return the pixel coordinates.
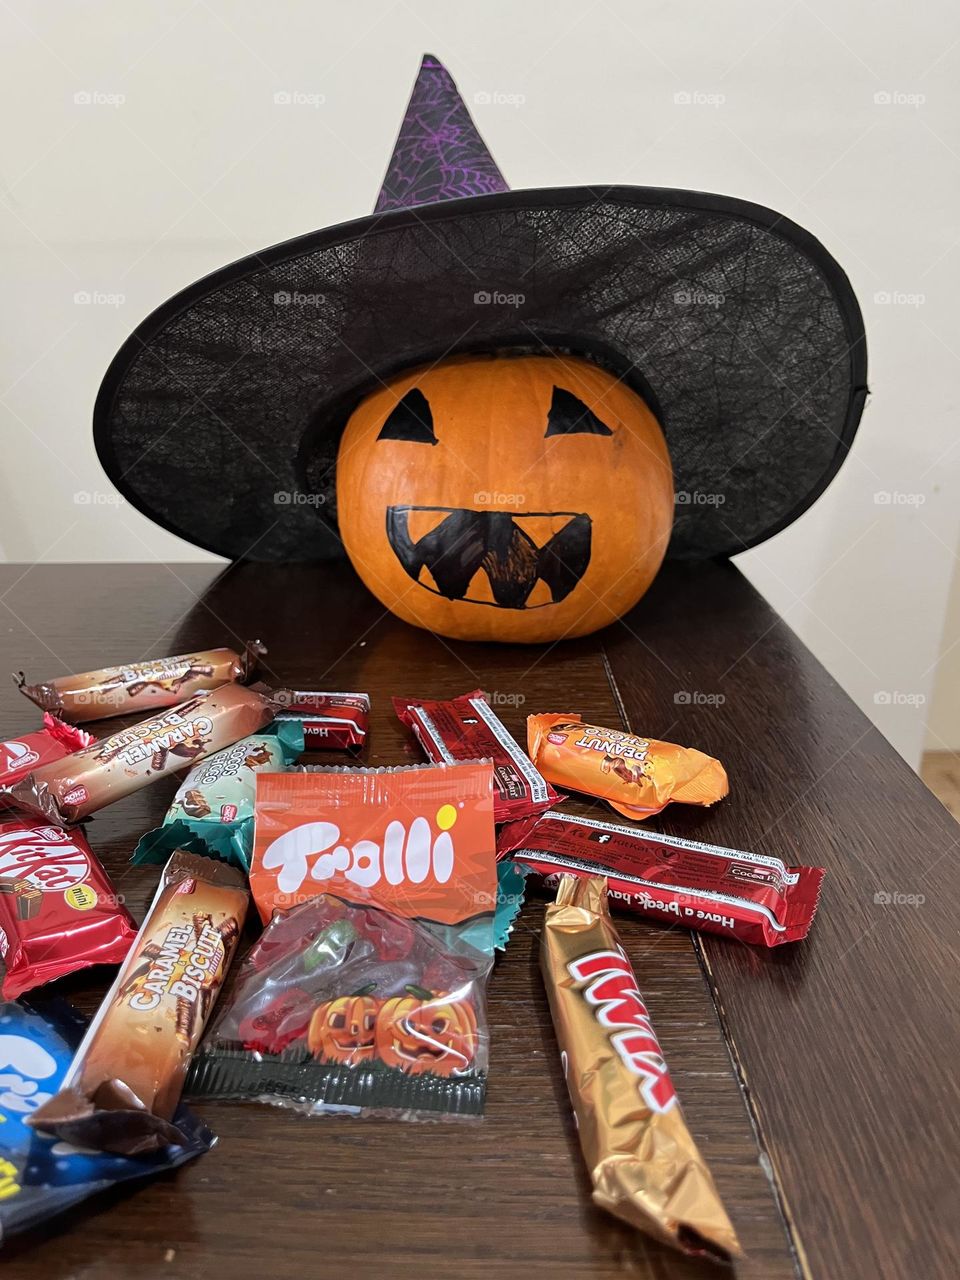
(343, 1029)
(517, 498)
(430, 1033)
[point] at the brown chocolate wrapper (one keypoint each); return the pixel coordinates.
(140, 686)
(123, 1086)
(644, 1165)
(70, 789)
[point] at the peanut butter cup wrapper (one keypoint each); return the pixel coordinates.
(643, 1162)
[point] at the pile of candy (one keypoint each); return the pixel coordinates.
(384, 895)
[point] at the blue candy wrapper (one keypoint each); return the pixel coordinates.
(41, 1176)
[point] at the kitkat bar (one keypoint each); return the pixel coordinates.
(331, 721)
(58, 910)
(141, 686)
(122, 1089)
(19, 756)
(466, 728)
(642, 1160)
(749, 896)
(70, 789)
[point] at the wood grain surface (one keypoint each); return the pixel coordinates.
(819, 1080)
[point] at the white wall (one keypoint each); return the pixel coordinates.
(182, 161)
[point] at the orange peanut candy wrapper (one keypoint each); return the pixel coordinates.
(636, 776)
(643, 1162)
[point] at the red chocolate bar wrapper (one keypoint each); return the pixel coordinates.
(69, 790)
(122, 1088)
(748, 896)
(139, 686)
(19, 756)
(466, 728)
(331, 721)
(58, 910)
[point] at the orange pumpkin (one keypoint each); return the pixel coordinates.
(427, 1033)
(343, 1029)
(515, 498)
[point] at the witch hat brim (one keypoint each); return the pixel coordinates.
(219, 418)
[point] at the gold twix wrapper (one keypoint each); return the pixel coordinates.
(644, 1165)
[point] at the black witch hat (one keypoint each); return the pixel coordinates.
(219, 418)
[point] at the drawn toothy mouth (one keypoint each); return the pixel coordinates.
(500, 546)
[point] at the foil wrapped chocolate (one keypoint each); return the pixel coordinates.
(643, 1162)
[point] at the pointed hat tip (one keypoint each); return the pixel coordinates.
(439, 153)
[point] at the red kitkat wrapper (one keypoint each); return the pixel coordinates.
(20, 756)
(466, 728)
(748, 896)
(58, 910)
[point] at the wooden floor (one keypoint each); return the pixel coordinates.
(940, 770)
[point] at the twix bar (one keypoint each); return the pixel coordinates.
(643, 1163)
(70, 789)
(122, 1088)
(139, 686)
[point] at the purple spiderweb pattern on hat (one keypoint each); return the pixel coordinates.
(439, 155)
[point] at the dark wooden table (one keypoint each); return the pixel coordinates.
(820, 1080)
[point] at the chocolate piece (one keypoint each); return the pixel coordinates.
(194, 805)
(466, 728)
(157, 682)
(58, 910)
(71, 789)
(123, 1086)
(748, 896)
(643, 1163)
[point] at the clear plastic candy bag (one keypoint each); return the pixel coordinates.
(347, 1008)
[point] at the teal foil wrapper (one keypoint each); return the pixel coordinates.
(213, 809)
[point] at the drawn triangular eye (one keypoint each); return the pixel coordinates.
(410, 419)
(569, 415)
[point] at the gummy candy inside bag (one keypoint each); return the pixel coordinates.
(341, 1007)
